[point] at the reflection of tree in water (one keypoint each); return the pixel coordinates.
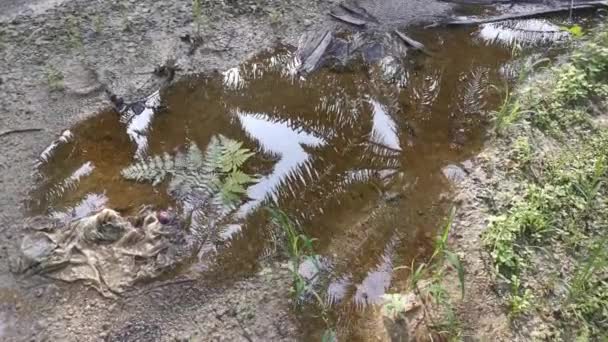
(328, 133)
(338, 146)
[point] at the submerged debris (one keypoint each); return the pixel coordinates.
(105, 250)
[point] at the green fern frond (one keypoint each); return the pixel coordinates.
(233, 154)
(213, 156)
(239, 177)
(212, 174)
(154, 169)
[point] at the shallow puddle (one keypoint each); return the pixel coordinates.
(354, 157)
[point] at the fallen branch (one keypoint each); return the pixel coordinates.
(478, 21)
(416, 45)
(348, 19)
(356, 10)
(22, 130)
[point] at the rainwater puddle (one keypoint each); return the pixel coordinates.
(353, 156)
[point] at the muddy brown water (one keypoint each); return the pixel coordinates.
(356, 160)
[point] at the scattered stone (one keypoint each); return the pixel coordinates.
(454, 173)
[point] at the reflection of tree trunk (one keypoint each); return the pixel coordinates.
(531, 14)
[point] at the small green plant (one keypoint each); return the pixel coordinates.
(97, 24)
(54, 78)
(394, 305)
(275, 16)
(520, 301)
(197, 15)
(74, 33)
(299, 248)
(443, 320)
(124, 12)
(522, 151)
(2, 39)
(217, 171)
(575, 30)
(329, 335)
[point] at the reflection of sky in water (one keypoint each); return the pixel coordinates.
(384, 127)
(372, 287)
(277, 138)
(138, 127)
(377, 281)
(90, 204)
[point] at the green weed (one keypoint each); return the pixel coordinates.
(299, 249)
(520, 300)
(509, 112)
(97, 24)
(512, 109)
(198, 16)
(275, 16)
(522, 151)
(442, 319)
(74, 33)
(124, 12)
(54, 78)
(575, 31)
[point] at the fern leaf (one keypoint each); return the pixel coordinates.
(233, 154)
(194, 157)
(213, 156)
(240, 177)
(212, 177)
(153, 169)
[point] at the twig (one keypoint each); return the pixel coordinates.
(22, 130)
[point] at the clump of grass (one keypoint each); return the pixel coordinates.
(54, 78)
(512, 108)
(509, 112)
(97, 24)
(439, 311)
(561, 211)
(199, 17)
(275, 16)
(522, 151)
(299, 249)
(74, 33)
(124, 12)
